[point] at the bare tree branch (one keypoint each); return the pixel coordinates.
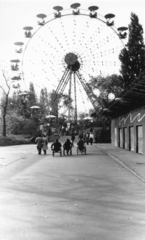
(2, 106)
(6, 82)
(9, 115)
(3, 89)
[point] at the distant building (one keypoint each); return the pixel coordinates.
(128, 131)
(127, 114)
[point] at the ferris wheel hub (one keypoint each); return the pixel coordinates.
(75, 67)
(70, 59)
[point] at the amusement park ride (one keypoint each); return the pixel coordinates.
(67, 48)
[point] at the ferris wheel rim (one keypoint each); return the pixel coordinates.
(86, 15)
(66, 15)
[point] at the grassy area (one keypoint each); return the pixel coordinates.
(14, 140)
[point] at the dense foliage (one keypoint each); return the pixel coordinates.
(105, 86)
(132, 57)
(21, 118)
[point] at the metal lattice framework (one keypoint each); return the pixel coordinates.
(70, 46)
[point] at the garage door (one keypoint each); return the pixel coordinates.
(139, 140)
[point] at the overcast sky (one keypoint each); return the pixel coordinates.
(14, 15)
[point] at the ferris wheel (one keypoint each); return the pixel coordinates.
(67, 48)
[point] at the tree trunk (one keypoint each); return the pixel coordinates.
(4, 122)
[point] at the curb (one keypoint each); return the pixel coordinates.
(123, 164)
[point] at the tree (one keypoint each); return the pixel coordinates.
(20, 111)
(132, 57)
(105, 86)
(58, 101)
(44, 102)
(66, 103)
(26, 102)
(54, 99)
(32, 98)
(82, 115)
(5, 100)
(15, 104)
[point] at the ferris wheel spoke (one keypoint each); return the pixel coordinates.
(58, 89)
(55, 37)
(66, 82)
(86, 88)
(75, 97)
(80, 92)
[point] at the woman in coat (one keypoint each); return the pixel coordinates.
(39, 142)
(45, 144)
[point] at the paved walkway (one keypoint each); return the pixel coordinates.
(78, 197)
(133, 162)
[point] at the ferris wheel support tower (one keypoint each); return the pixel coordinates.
(70, 74)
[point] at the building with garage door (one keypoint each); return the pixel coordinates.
(127, 114)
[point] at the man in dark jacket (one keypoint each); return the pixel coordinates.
(56, 146)
(81, 144)
(67, 146)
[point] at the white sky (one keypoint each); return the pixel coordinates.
(14, 15)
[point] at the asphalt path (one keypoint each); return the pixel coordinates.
(76, 197)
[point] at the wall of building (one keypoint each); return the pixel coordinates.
(128, 131)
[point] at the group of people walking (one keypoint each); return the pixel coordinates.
(88, 137)
(42, 144)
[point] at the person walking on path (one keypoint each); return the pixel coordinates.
(87, 137)
(72, 138)
(39, 142)
(91, 138)
(45, 144)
